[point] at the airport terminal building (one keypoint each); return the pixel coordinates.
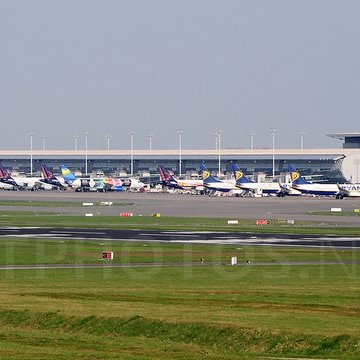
(335, 165)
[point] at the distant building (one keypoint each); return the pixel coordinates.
(332, 165)
(351, 139)
(350, 166)
(325, 162)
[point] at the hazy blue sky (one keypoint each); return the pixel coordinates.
(157, 65)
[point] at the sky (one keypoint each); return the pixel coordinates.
(155, 66)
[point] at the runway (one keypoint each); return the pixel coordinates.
(296, 208)
(203, 238)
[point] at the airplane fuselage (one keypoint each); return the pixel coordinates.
(317, 189)
(31, 183)
(223, 186)
(190, 184)
(265, 188)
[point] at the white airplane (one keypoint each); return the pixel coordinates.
(215, 184)
(306, 187)
(170, 181)
(90, 184)
(280, 189)
(243, 182)
(100, 183)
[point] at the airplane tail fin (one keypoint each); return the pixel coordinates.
(68, 176)
(240, 177)
(6, 177)
(49, 177)
(46, 173)
(165, 175)
(206, 175)
(4, 174)
(296, 178)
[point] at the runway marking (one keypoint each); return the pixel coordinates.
(78, 232)
(50, 236)
(21, 227)
(186, 232)
(172, 235)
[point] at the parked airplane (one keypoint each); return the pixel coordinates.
(280, 189)
(90, 184)
(243, 182)
(306, 187)
(170, 181)
(215, 184)
(23, 182)
(74, 182)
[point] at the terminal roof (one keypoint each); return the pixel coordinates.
(343, 135)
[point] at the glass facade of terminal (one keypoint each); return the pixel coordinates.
(328, 166)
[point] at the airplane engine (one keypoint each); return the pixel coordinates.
(76, 184)
(47, 187)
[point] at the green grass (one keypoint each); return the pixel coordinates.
(197, 312)
(335, 213)
(62, 251)
(39, 203)
(180, 313)
(173, 223)
(196, 334)
(13, 213)
(27, 344)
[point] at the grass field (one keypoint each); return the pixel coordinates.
(15, 218)
(197, 312)
(178, 312)
(336, 213)
(62, 251)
